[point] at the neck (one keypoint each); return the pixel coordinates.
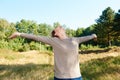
(63, 37)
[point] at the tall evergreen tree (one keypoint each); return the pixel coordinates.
(104, 26)
(117, 23)
(116, 27)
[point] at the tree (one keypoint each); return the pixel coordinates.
(56, 24)
(26, 26)
(70, 32)
(44, 29)
(117, 23)
(116, 27)
(79, 32)
(4, 25)
(6, 29)
(89, 30)
(104, 26)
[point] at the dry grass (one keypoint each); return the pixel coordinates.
(35, 65)
(101, 53)
(36, 57)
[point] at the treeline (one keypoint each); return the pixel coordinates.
(107, 28)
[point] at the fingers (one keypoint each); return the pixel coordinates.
(95, 36)
(14, 35)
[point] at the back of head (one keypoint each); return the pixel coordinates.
(59, 32)
(53, 33)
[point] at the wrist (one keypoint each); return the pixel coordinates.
(19, 34)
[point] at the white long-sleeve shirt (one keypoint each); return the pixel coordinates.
(66, 57)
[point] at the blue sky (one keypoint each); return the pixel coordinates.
(72, 13)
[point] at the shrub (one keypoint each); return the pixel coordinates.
(89, 46)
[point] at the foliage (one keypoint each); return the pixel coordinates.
(70, 32)
(107, 30)
(89, 30)
(104, 26)
(88, 46)
(116, 28)
(79, 32)
(26, 26)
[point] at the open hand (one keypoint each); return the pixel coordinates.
(14, 35)
(95, 37)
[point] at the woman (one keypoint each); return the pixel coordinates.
(66, 57)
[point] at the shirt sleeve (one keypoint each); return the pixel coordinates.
(43, 39)
(84, 38)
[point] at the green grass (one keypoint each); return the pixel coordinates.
(26, 72)
(101, 69)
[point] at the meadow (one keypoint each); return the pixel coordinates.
(39, 65)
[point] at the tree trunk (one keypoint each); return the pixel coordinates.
(109, 41)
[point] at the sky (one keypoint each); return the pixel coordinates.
(72, 13)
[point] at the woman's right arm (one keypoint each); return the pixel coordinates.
(86, 38)
(44, 39)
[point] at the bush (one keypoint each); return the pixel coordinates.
(89, 46)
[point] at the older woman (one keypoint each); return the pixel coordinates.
(65, 52)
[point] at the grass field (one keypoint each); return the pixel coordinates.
(35, 65)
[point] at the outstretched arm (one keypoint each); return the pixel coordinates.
(86, 38)
(44, 39)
